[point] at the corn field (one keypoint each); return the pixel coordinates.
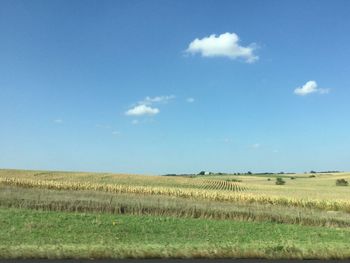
(220, 185)
(209, 194)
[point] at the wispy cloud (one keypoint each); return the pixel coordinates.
(224, 45)
(58, 121)
(256, 146)
(103, 126)
(115, 133)
(190, 100)
(309, 88)
(157, 99)
(227, 140)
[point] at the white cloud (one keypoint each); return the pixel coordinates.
(190, 100)
(145, 106)
(59, 121)
(310, 87)
(141, 110)
(224, 45)
(157, 99)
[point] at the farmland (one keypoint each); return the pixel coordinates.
(207, 216)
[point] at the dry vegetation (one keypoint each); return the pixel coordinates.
(301, 192)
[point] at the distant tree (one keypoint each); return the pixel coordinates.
(249, 172)
(313, 172)
(201, 173)
(341, 182)
(280, 181)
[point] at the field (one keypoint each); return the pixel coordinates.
(50, 214)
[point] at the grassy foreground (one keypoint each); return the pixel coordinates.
(41, 234)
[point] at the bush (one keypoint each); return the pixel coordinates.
(201, 173)
(280, 181)
(312, 176)
(293, 178)
(341, 182)
(268, 179)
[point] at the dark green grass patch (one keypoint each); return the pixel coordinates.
(29, 233)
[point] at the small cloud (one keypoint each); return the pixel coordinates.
(310, 87)
(190, 100)
(224, 45)
(157, 99)
(145, 107)
(135, 122)
(141, 110)
(256, 145)
(115, 132)
(323, 91)
(58, 121)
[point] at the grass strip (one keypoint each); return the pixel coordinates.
(41, 234)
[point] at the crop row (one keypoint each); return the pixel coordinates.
(221, 185)
(183, 192)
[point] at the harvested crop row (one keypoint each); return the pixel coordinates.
(183, 192)
(221, 185)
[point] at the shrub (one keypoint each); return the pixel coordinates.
(268, 179)
(280, 181)
(341, 182)
(201, 173)
(293, 178)
(312, 176)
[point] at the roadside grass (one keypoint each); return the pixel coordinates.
(28, 233)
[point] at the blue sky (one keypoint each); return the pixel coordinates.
(158, 87)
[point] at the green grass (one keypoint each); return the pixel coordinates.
(28, 233)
